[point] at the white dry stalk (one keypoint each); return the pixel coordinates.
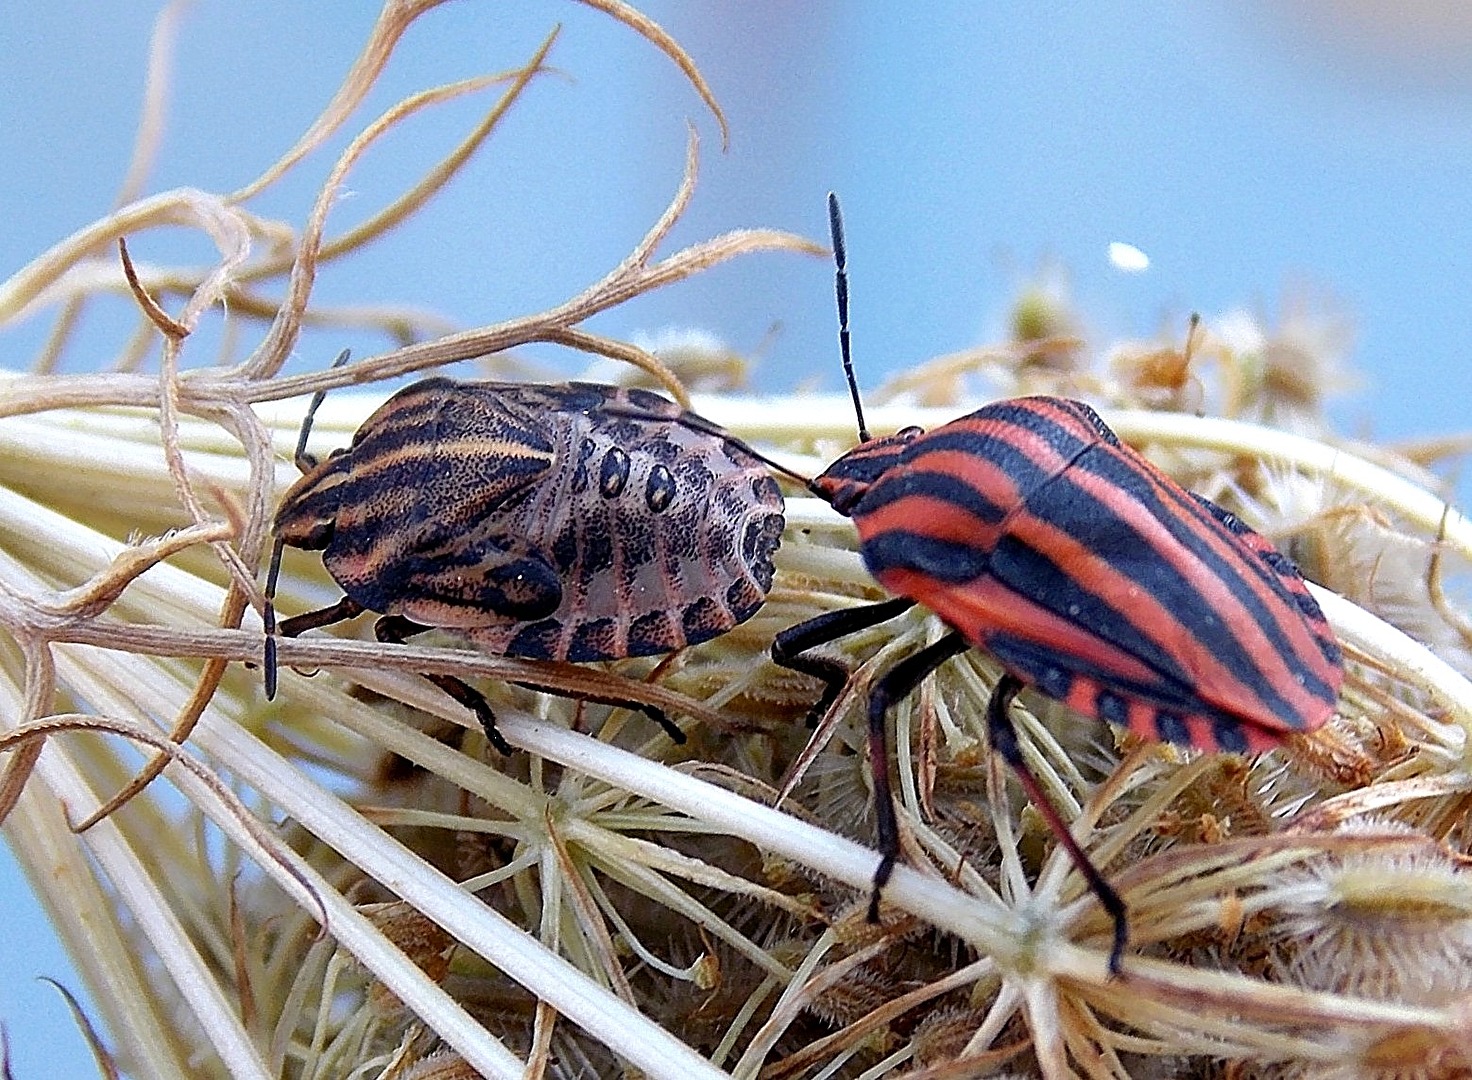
(990, 927)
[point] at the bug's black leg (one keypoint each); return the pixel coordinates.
(789, 646)
(1003, 735)
(341, 611)
(654, 712)
(898, 682)
(396, 629)
(298, 624)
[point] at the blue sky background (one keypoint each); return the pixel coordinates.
(1254, 150)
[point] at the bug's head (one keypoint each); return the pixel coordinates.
(844, 482)
(308, 510)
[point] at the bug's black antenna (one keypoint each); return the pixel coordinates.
(268, 613)
(840, 288)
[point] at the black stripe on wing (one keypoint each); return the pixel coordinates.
(943, 486)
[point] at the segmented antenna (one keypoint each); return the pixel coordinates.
(840, 288)
(304, 463)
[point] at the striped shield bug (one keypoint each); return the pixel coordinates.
(1090, 575)
(546, 522)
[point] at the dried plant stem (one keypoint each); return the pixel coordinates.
(139, 1017)
(84, 910)
(478, 926)
(1311, 456)
(993, 932)
(1414, 662)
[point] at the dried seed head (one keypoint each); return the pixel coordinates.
(1282, 374)
(1162, 376)
(1286, 506)
(1391, 920)
(1373, 1054)
(859, 992)
(441, 1065)
(422, 940)
(1044, 311)
(1365, 557)
(1377, 920)
(836, 787)
(944, 1033)
(852, 927)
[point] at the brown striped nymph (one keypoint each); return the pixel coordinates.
(551, 522)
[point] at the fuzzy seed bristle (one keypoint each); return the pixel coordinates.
(1391, 920)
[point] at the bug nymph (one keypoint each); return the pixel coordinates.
(570, 522)
(1090, 575)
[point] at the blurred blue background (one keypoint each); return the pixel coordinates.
(1258, 152)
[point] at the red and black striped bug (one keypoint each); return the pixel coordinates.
(1038, 536)
(570, 522)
